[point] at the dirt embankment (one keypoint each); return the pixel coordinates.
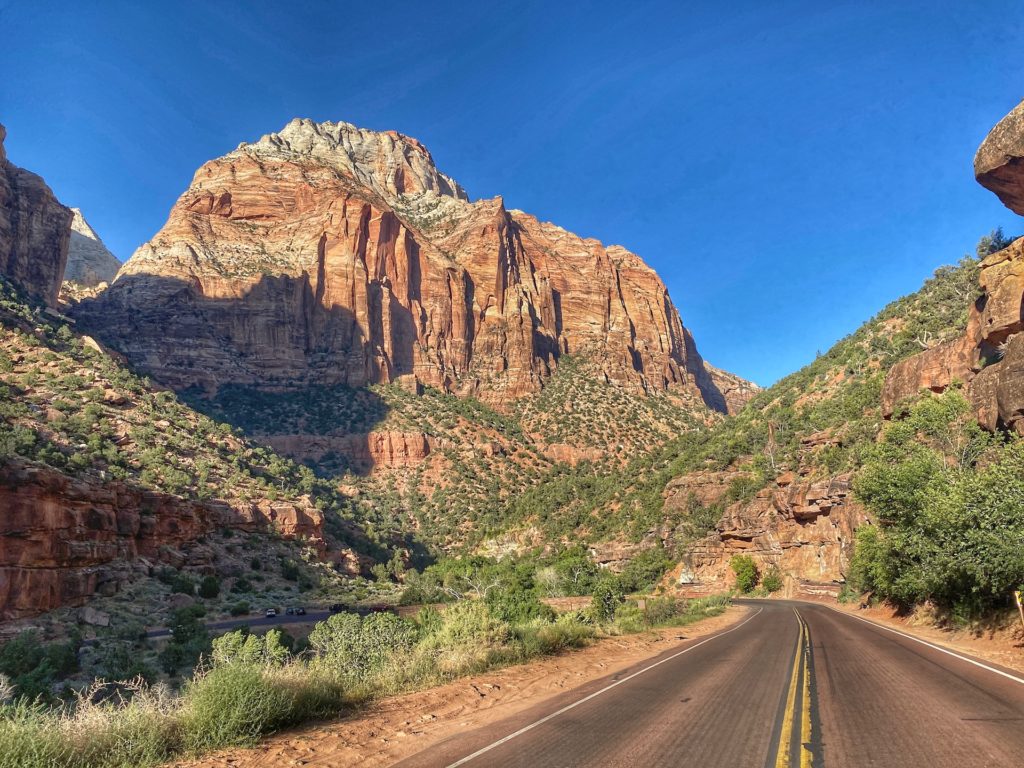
(397, 727)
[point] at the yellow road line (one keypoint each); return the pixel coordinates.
(806, 758)
(786, 736)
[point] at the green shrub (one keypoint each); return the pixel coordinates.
(233, 705)
(772, 580)
(629, 617)
(359, 647)
(241, 647)
(240, 609)
(183, 584)
(608, 595)
(517, 607)
(209, 587)
(746, 572)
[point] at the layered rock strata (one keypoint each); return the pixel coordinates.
(63, 540)
(327, 254)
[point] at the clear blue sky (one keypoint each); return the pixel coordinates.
(788, 168)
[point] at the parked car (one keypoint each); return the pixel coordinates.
(337, 608)
(300, 611)
(289, 611)
(271, 613)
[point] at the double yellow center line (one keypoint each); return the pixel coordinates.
(798, 703)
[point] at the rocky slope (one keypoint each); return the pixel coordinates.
(34, 231)
(326, 254)
(89, 261)
(104, 480)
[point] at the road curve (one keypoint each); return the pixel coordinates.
(792, 684)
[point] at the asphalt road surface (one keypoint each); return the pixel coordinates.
(254, 621)
(793, 684)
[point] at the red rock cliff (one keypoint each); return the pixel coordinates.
(328, 254)
(63, 540)
(34, 231)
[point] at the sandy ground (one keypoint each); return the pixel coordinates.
(1003, 644)
(397, 727)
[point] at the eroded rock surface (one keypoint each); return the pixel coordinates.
(34, 231)
(999, 162)
(63, 540)
(989, 357)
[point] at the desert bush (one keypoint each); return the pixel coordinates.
(359, 647)
(233, 705)
(608, 594)
(241, 647)
(772, 580)
(209, 587)
(746, 572)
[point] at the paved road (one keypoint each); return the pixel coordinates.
(258, 620)
(794, 684)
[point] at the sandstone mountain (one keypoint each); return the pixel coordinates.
(330, 255)
(34, 231)
(89, 261)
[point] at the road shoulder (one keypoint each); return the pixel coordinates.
(395, 728)
(1003, 646)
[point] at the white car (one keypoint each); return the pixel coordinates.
(271, 613)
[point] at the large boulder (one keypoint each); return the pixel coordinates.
(34, 231)
(999, 162)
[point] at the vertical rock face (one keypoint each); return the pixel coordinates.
(327, 254)
(34, 231)
(89, 261)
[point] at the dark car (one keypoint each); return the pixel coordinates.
(289, 611)
(300, 611)
(337, 608)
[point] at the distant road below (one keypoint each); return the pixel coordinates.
(792, 684)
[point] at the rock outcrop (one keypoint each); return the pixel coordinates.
(63, 540)
(804, 528)
(363, 452)
(999, 162)
(34, 231)
(736, 391)
(326, 254)
(89, 261)
(989, 357)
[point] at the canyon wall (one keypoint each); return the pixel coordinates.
(34, 231)
(89, 261)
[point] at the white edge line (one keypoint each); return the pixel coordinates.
(575, 704)
(968, 659)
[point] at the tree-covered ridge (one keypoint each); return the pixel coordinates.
(578, 407)
(836, 396)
